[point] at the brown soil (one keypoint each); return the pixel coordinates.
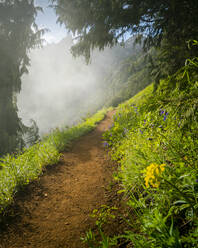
(54, 212)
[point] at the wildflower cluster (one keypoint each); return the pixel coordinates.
(152, 172)
(164, 113)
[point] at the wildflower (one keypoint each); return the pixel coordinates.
(141, 131)
(151, 173)
(161, 112)
(105, 144)
(165, 116)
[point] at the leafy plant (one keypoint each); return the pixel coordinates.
(102, 215)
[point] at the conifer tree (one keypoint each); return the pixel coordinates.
(100, 23)
(18, 33)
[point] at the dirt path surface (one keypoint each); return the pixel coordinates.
(54, 211)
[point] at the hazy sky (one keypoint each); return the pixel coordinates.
(48, 20)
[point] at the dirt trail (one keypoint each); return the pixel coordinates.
(54, 211)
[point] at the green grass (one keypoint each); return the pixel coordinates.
(20, 169)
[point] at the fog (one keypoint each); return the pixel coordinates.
(60, 89)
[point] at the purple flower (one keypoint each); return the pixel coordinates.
(141, 131)
(196, 180)
(105, 144)
(164, 117)
(161, 111)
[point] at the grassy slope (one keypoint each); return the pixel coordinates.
(18, 170)
(154, 138)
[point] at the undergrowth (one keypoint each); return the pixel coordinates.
(20, 169)
(154, 138)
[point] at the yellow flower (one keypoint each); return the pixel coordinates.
(151, 173)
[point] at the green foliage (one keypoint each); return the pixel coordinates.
(153, 131)
(18, 34)
(97, 24)
(102, 23)
(102, 215)
(20, 169)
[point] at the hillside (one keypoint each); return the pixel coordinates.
(154, 139)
